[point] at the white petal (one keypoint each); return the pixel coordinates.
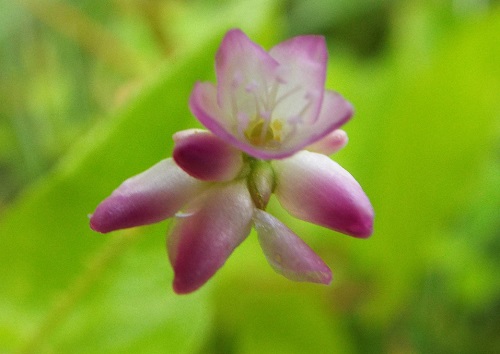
(303, 62)
(207, 232)
(331, 143)
(155, 194)
(312, 187)
(287, 253)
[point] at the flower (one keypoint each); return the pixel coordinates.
(271, 125)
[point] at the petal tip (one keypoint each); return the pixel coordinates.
(95, 227)
(327, 278)
(362, 227)
(183, 288)
(323, 276)
(331, 143)
(97, 222)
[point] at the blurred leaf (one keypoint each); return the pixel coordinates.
(48, 240)
(108, 293)
(289, 323)
(420, 135)
(132, 309)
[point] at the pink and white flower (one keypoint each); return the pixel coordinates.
(270, 126)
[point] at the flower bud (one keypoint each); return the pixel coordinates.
(261, 183)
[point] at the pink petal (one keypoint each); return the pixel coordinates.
(334, 113)
(203, 105)
(309, 52)
(154, 195)
(178, 136)
(303, 63)
(206, 157)
(241, 66)
(252, 85)
(207, 232)
(314, 188)
(331, 143)
(287, 253)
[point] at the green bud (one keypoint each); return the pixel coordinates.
(261, 183)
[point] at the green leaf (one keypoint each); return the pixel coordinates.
(49, 244)
(290, 323)
(418, 143)
(65, 288)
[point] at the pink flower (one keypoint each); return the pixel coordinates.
(266, 108)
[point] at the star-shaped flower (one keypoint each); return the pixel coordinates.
(270, 126)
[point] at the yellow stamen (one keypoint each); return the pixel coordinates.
(260, 133)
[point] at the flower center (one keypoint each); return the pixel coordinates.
(261, 132)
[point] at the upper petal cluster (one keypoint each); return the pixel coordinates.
(270, 104)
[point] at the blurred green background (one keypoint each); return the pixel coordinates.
(91, 92)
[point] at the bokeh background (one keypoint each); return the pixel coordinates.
(91, 92)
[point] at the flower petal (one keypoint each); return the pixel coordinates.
(331, 143)
(303, 62)
(203, 105)
(204, 156)
(287, 253)
(312, 187)
(257, 96)
(207, 232)
(243, 69)
(335, 112)
(178, 136)
(155, 194)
